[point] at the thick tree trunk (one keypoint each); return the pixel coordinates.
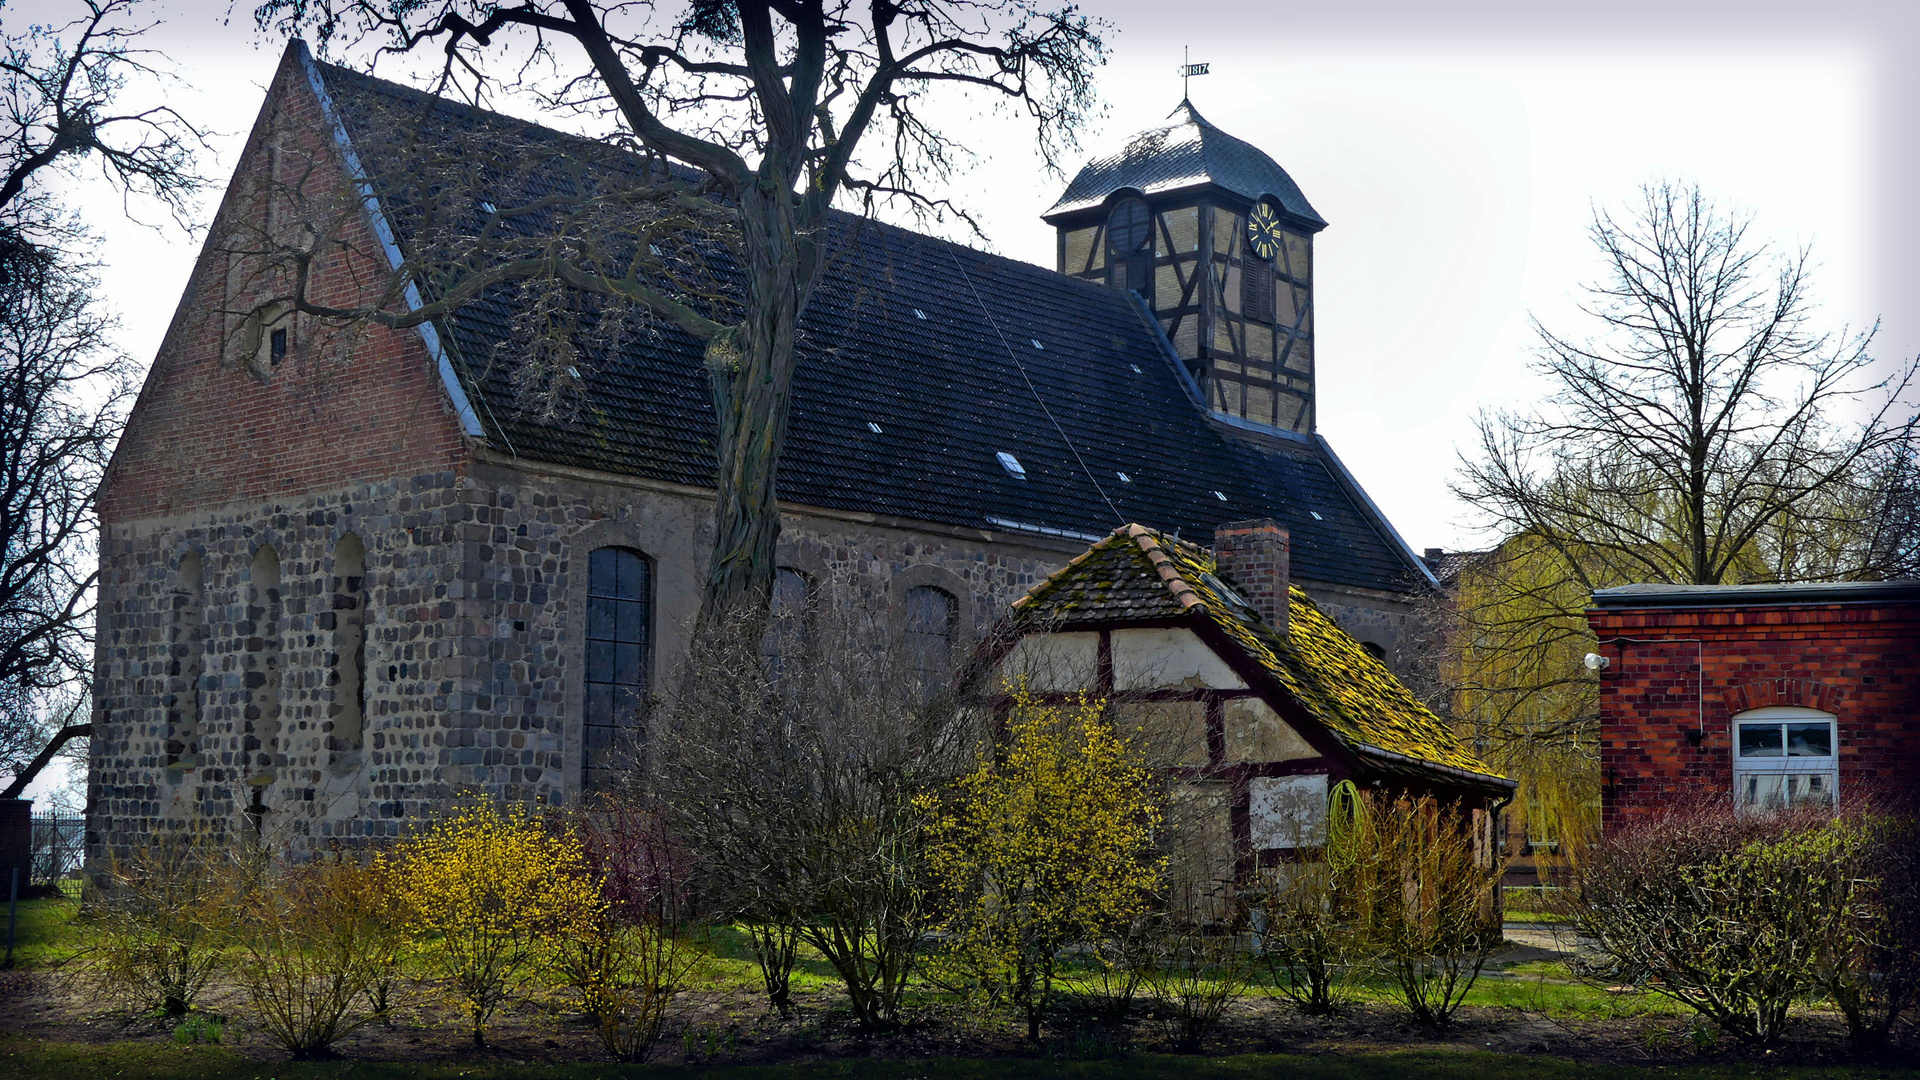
(751, 372)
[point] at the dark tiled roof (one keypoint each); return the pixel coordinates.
(895, 338)
(1184, 154)
(1447, 566)
(1138, 575)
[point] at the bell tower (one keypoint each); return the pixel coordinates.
(1217, 242)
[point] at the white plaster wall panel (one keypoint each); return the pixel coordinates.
(1254, 732)
(1054, 663)
(1168, 657)
(1287, 811)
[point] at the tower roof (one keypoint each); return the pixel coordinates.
(1186, 153)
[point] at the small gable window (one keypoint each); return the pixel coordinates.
(619, 651)
(1783, 756)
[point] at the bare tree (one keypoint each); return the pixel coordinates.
(1699, 431)
(63, 384)
(1707, 431)
(783, 108)
(792, 781)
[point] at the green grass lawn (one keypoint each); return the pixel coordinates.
(44, 933)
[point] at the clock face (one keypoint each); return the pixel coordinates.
(1263, 230)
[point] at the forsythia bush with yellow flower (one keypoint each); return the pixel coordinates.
(487, 889)
(1047, 848)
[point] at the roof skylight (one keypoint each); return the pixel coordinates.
(918, 314)
(1124, 477)
(488, 208)
(1316, 515)
(1012, 465)
(1219, 496)
(875, 428)
(1037, 345)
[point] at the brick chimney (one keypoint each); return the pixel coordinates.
(1254, 557)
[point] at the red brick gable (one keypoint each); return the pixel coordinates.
(211, 427)
(1679, 674)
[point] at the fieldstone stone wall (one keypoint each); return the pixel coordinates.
(217, 689)
(471, 667)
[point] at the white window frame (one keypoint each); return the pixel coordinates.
(1801, 776)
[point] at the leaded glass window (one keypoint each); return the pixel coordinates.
(619, 650)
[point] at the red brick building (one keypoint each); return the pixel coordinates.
(1769, 693)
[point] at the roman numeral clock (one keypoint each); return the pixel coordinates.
(1264, 235)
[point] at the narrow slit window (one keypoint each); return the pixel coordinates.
(347, 712)
(262, 665)
(277, 346)
(187, 645)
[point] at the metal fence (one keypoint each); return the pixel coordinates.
(59, 846)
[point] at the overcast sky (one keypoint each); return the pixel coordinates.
(1455, 149)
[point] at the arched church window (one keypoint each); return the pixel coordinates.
(931, 617)
(1130, 247)
(619, 650)
(1783, 756)
(787, 612)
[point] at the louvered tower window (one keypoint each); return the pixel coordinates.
(1256, 289)
(1130, 247)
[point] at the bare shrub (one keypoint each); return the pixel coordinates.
(1197, 968)
(1725, 912)
(1871, 968)
(1423, 882)
(160, 916)
(632, 955)
(792, 781)
(313, 942)
(1309, 937)
(1116, 967)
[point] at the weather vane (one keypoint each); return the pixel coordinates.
(1188, 70)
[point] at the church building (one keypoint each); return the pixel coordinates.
(339, 589)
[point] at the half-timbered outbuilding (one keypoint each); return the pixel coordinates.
(1240, 685)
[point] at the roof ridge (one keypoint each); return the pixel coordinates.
(1149, 542)
(478, 112)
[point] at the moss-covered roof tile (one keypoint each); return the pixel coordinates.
(1140, 574)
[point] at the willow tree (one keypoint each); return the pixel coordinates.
(783, 110)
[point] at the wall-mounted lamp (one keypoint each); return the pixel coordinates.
(1596, 662)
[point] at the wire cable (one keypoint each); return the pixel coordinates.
(1118, 517)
